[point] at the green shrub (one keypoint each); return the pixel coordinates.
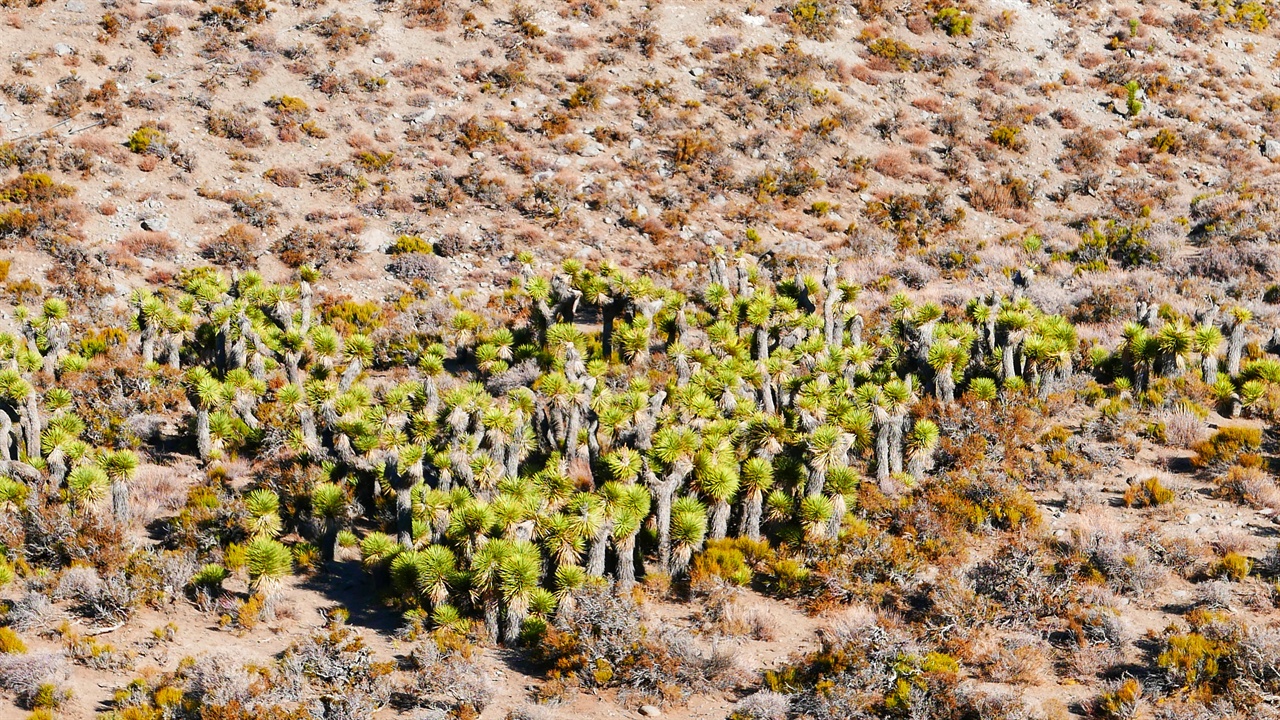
(147, 141)
(953, 22)
(1148, 493)
(1233, 566)
(408, 244)
(11, 643)
(1226, 447)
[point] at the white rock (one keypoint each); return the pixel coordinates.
(1133, 135)
(638, 123)
(155, 223)
(610, 100)
(63, 49)
(697, 72)
(649, 711)
(377, 61)
(756, 20)
(1193, 518)
(477, 155)
(636, 144)
(75, 6)
(1271, 149)
(517, 103)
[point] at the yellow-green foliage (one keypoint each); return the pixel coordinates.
(1191, 659)
(1121, 703)
(814, 19)
(1008, 137)
(895, 51)
(953, 22)
(726, 560)
(146, 140)
(1227, 446)
(1148, 493)
(1167, 141)
(406, 244)
(10, 643)
(1234, 566)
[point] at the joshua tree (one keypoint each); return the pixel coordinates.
(688, 530)
(329, 509)
(119, 465)
(1206, 342)
(1237, 319)
(267, 562)
(1175, 340)
(674, 448)
(920, 445)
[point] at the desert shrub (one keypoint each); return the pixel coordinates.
(814, 19)
(761, 705)
(235, 124)
(147, 140)
(37, 679)
(447, 675)
(159, 35)
(337, 672)
(1233, 566)
(1131, 246)
(953, 22)
(1120, 703)
(1227, 446)
(418, 266)
(148, 244)
(238, 246)
(429, 14)
(318, 247)
(723, 561)
(597, 640)
(342, 33)
(895, 52)
(409, 244)
(1148, 493)
(238, 15)
(283, 177)
(1249, 485)
(11, 643)
(1007, 136)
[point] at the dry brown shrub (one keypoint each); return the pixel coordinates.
(147, 244)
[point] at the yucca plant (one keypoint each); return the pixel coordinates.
(268, 562)
(119, 466)
(688, 531)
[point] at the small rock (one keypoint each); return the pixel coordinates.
(642, 211)
(518, 104)
(75, 6)
(1271, 149)
(756, 20)
(719, 200)
(1237, 523)
(591, 150)
(477, 155)
(610, 100)
(424, 117)
(636, 144)
(155, 224)
(650, 711)
(638, 123)
(1193, 518)
(1133, 135)
(697, 72)
(63, 49)
(377, 61)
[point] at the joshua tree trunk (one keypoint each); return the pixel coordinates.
(627, 563)
(720, 519)
(830, 329)
(34, 425)
(883, 441)
(120, 500)
(945, 385)
(664, 495)
(204, 444)
(329, 541)
(598, 549)
(895, 440)
(1209, 367)
(1235, 346)
(752, 511)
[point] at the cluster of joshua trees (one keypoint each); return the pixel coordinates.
(510, 462)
